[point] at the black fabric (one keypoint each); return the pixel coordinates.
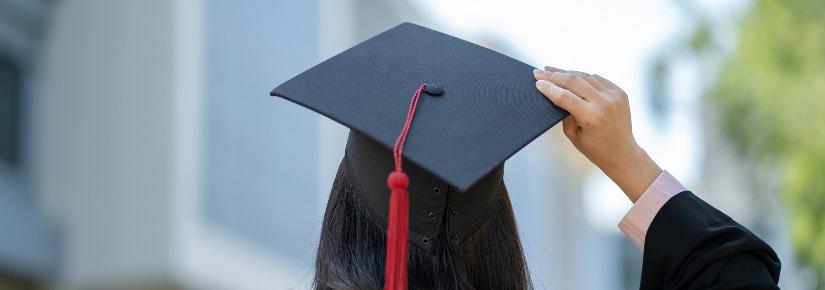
(489, 108)
(437, 206)
(691, 245)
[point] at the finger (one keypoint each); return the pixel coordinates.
(591, 79)
(602, 81)
(570, 127)
(581, 73)
(562, 97)
(552, 69)
(572, 82)
(587, 77)
(606, 82)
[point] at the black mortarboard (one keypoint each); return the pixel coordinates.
(478, 108)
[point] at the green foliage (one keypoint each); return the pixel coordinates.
(771, 94)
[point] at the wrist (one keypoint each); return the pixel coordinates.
(633, 173)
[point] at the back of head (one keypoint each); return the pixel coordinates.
(351, 250)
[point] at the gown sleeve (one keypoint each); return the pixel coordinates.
(692, 245)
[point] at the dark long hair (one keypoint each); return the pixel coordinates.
(351, 250)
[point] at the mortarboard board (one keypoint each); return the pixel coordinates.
(475, 108)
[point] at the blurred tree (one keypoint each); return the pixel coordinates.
(770, 93)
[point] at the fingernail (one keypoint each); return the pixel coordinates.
(537, 71)
(550, 68)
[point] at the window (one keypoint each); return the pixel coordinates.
(10, 112)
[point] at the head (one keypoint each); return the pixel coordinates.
(461, 228)
(351, 252)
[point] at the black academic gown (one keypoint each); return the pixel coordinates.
(691, 245)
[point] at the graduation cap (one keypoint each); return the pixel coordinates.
(434, 118)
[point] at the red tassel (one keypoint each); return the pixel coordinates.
(395, 271)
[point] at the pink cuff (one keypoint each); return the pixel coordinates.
(637, 220)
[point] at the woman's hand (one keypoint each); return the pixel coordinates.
(599, 126)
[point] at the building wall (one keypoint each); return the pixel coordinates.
(161, 156)
(104, 146)
(260, 156)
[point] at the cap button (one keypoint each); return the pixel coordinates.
(434, 90)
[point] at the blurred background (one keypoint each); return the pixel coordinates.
(139, 148)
